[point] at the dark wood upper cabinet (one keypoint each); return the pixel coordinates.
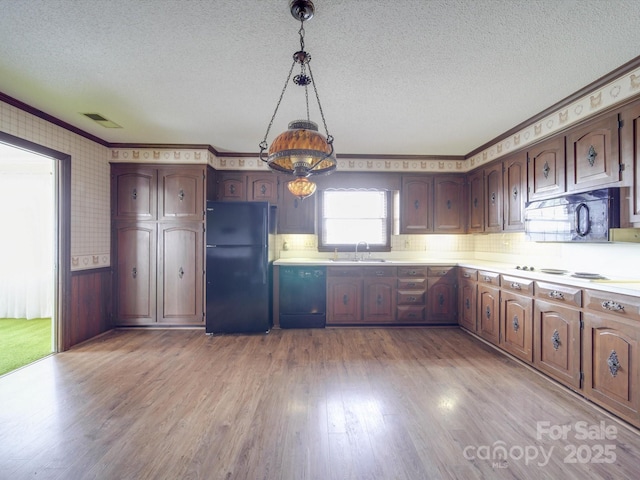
(448, 210)
(493, 198)
(546, 169)
(514, 191)
(593, 159)
(295, 215)
(181, 194)
(475, 203)
(262, 187)
(416, 207)
(232, 186)
(133, 192)
(630, 154)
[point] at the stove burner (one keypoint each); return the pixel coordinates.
(531, 269)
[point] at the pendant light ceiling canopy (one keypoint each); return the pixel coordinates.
(301, 150)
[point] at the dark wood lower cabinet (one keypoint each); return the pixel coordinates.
(379, 299)
(441, 300)
(557, 342)
(516, 329)
(180, 274)
(489, 313)
(135, 273)
(344, 297)
(611, 367)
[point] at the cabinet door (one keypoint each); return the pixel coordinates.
(593, 160)
(493, 198)
(611, 368)
(467, 305)
(344, 300)
(417, 205)
(546, 169)
(232, 187)
(514, 192)
(630, 152)
(489, 313)
(476, 201)
(379, 300)
(516, 326)
(133, 192)
(557, 342)
(135, 274)
(181, 274)
(181, 194)
(441, 301)
(262, 187)
(448, 211)
(295, 215)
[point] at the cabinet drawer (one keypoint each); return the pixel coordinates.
(411, 313)
(411, 297)
(441, 271)
(344, 272)
(467, 273)
(604, 302)
(517, 284)
(412, 271)
(379, 271)
(412, 283)
(489, 277)
(559, 293)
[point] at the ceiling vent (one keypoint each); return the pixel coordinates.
(100, 120)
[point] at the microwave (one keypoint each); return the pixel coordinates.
(584, 217)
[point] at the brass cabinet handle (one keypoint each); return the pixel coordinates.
(556, 294)
(613, 363)
(591, 155)
(546, 169)
(181, 195)
(488, 312)
(487, 279)
(180, 272)
(134, 193)
(263, 189)
(411, 299)
(515, 286)
(232, 189)
(613, 306)
(515, 323)
(493, 198)
(134, 272)
(555, 340)
(515, 192)
(466, 275)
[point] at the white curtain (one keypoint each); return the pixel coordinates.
(27, 243)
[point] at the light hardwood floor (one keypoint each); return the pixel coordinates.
(298, 404)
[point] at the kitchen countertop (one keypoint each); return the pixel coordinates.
(625, 286)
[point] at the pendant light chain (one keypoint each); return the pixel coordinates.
(263, 144)
(324, 122)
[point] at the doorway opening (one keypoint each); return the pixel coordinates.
(29, 255)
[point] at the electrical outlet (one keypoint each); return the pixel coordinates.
(308, 243)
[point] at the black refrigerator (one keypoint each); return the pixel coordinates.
(238, 267)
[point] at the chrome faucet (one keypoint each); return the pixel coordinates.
(357, 245)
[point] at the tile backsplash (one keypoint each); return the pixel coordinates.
(613, 259)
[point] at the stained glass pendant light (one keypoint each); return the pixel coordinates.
(301, 151)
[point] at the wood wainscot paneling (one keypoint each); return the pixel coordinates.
(90, 306)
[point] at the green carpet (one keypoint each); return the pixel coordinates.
(23, 341)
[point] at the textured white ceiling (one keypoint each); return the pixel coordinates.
(428, 77)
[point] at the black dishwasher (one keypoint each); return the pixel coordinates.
(303, 297)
